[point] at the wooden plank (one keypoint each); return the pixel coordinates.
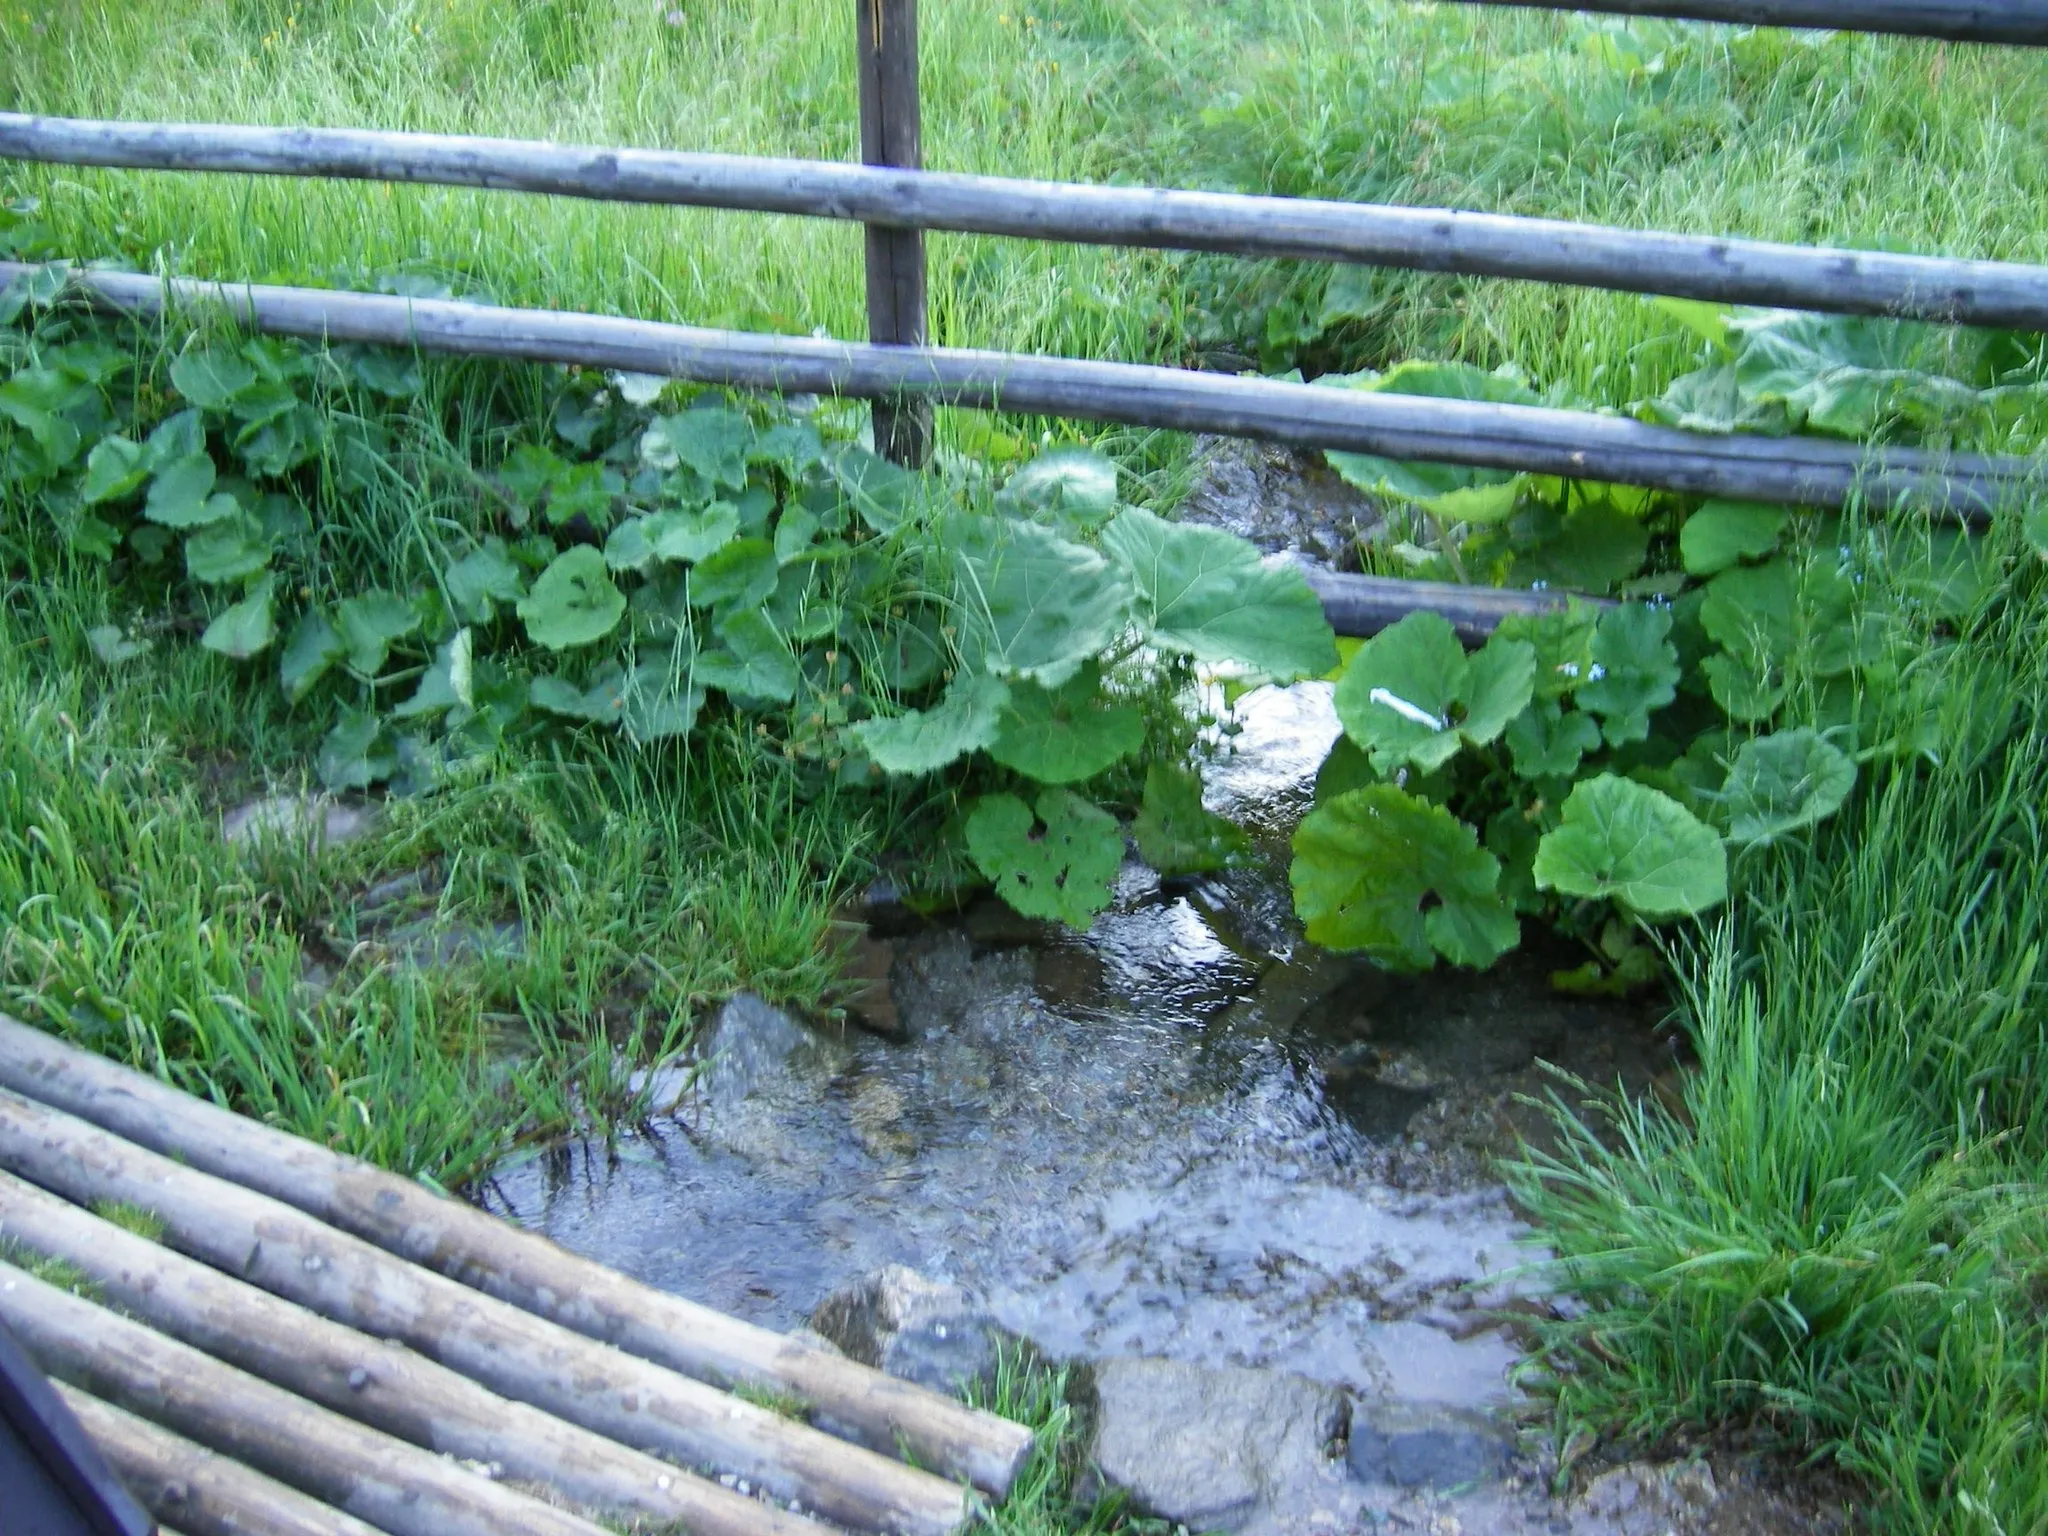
(1710, 267)
(513, 1352)
(1364, 605)
(2023, 22)
(518, 1267)
(207, 1493)
(1579, 445)
(382, 1385)
(890, 135)
(394, 1486)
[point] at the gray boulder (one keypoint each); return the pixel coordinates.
(923, 1330)
(1228, 1449)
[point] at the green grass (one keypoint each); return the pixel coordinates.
(1047, 1497)
(1842, 1244)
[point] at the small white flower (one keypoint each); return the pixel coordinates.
(1568, 668)
(1414, 714)
(1539, 586)
(1595, 672)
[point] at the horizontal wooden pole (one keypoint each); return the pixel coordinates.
(526, 1270)
(1958, 21)
(524, 1357)
(1365, 605)
(207, 1493)
(382, 1385)
(1711, 267)
(396, 1487)
(1575, 444)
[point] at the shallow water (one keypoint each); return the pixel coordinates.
(1187, 1133)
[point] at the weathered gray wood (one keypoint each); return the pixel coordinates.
(1360, 606)
(1957, 21)
(1799, 471)
(890, 135)
(394, 1486)
(518, 1267)
(382, 1385)
(620, 1396)
(206, 1492)
(1424, 239)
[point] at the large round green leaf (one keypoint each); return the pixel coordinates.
(1037, 605)
(924, 741)
(1075, 486)
(1412, 696)
(1629, 843)
(1780, 783)
(1056, 864)
(1634, 670)
(248, 626)
(1403, 880)
(573, 602)
(1724, 533)
(1066, 734)
(1206, 592)
(1452, 492)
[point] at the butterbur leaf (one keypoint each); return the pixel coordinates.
(1404, 881)
(1076, 486)
(447, 683)
(659, 705)
(1563, 641)
(1411, 695)
(1598, 543)
(573, 602)
(113, 469)
(211, 379)
(369, 623)
(384, 371)
(753, 660)
(181, 495)
(1057, 863)
(882, 493)
(483, 578)
(1780, 783)
(585, 491)
(1066, 734)
(357, 753)
(528, 471)
(176, 437)
(1751, 611)
(1746, 689)
(742, 574)
(1725, 533)
(1453, 493)
(1625, 842)
(712, 442)
(925, 741)
(1546, 741)
(603, 702)
(1634, 670)
(315, 646)
(791, 446)
(1176, 834)
(1206, 592)
(1038, 605)
(112, 647)
(233, 549)
(691, 535)
(246, 628)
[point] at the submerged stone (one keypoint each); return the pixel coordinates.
(920, 1329)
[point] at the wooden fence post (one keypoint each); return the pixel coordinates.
(887, 32)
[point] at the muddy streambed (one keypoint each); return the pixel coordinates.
(1186, 1134)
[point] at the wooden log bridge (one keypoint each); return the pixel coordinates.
(266, 1338)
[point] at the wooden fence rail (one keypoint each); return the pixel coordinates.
(2022, 22)
(1579, 445)
(1426, 239)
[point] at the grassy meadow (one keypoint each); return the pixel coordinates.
(1839, 1247)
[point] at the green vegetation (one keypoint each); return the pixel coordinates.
(679, 668)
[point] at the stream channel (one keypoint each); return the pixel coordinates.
(1185, 1135)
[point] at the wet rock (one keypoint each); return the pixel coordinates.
(865, 965)
(1645, 1499)
(1408, 1445)
(755, 1048)
(1228, 1449)
(318, 819)
(914, 1327)
(1281, 500)
(877, 1108)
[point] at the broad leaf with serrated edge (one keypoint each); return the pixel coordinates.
(1563, 639)
(1411, 695)
(483, 578)
(1207, 592)
(692, 535)
(1625, 842)
(743, 574)
(369, 622)
(1066, 734)
(233, 549)
(1780, 783)
(1176, 834)
(1036, 605)
(210, 379)
(1076, 486)
(712, 442)
(113, 469)
(573, 602)
(659, 705)
(924, 741)
(181, 495)
(1635, 670)
(1545, 741)
(356, 753)
(1403, 880)
(1061, 869)
(315, 646)
(1725, 533)
(753, 659)
(246, 628)
(603, 702)
(446, 683)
